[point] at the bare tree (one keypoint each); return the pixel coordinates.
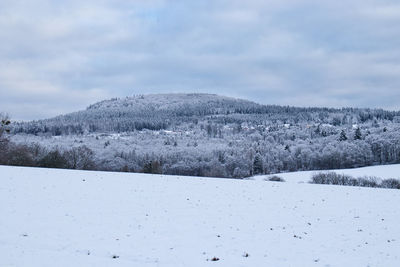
(4, 125)
(80, 158)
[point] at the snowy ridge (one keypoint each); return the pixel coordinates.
(164, 102)
(78, 218)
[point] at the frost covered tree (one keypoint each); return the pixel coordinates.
(4, 125)
(357, 134)
(4, 143)
(80, 158)
(343, 136)
(258, 165)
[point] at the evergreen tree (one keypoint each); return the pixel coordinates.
(357, 134)
(258, 165)
(343, 136)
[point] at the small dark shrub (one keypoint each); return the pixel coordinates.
(54, 159)
(391, 183)
(333, 178)
(152, 167)
(368, 181)
(20, 155)
(353, 182)
(275, 178)
(342, 179)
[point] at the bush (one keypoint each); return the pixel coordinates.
(19, 155)
(333, 178)
(80, 158)
(343, 179)
(275, 178)
(368, 181)
(152, 167)
(54, 159)
(391, 183)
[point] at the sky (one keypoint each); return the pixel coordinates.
(61, 56)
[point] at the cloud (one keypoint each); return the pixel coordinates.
(60, 56)
(25, 95)
(384, 12)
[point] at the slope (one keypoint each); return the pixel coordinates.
(382, 171)
(77, 218)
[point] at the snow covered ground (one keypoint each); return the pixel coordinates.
(382, 171)
(77, 218)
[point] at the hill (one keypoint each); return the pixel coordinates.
(153, 112)
(77, 218)
(163, 111)
(179, 104)
(211, 135)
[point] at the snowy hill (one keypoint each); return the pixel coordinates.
(162, 111)
(207, 135)
(152, 112)
(79, 218)
(193, 104)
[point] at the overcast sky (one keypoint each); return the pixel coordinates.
(60, 56)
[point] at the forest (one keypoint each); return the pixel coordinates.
(205, 135)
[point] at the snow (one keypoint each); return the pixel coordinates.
(381, 171)
(79, 218)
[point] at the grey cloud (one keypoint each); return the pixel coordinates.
(60, 56)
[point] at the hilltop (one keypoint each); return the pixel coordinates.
(180, 104)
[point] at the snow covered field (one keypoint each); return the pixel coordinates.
(382, 171)
(77, 218)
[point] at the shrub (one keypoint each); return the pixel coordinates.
(81, 158)
(343, 179)
(152, 167)
(19, 155)
(333, 178)
(368, 181)
(391, 183)
(54, 159)
(275, 178)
